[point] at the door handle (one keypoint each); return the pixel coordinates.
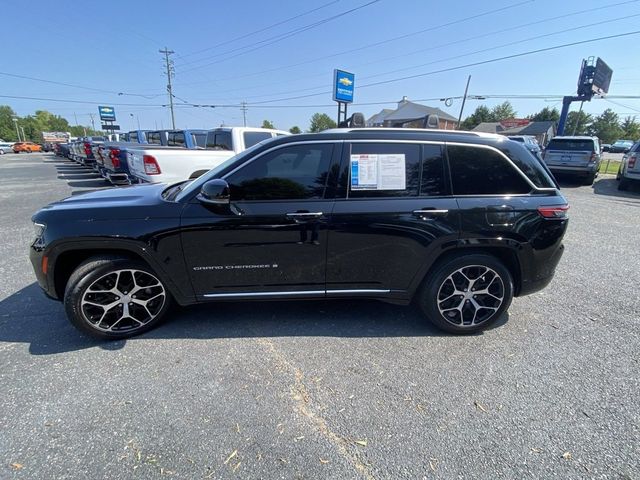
(430, 212)
(304, 214)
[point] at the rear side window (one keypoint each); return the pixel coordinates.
(481, 171)
(219, 141)
(133, 137)
(573, 145)
(200, 139)
(251, 138)
(176, 139)
(153, 138)
(529, 164)
(384, 170)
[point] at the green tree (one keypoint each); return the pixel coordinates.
(583, 121)
(606, 126)
(546, 114)
(503, 112)
(630, 129)
(7, 127)
(267, 124)
(481, 114)
(295, 129)
(320, 122)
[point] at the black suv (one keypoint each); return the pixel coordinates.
(458, 222)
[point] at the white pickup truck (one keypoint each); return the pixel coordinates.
(155, 164)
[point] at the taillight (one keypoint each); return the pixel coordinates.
(632, 161)
(151, 166)
(593, 158)
(87, 148)
(554, 211)
(114, 154)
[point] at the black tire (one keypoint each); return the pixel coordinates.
(623, 186)
(589, 179)
(437, 290)
(100, 273)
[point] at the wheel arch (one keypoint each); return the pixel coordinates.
(507, 255)
(68, 257)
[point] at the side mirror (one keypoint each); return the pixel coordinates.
(215, 192)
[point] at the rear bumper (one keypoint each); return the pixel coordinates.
(631, 175)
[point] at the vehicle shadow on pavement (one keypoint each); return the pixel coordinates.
(609, 186)
(28, 316)
(78, 176)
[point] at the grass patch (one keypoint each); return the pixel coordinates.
(613, 167)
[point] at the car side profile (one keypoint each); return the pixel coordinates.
(26, 147)
(456, 222)
(629, 172)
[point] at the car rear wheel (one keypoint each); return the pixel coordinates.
(466, 294)
(114, 298)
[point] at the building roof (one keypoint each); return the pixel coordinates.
(410, 111)
(488, 127)
(534, 128)
(379, 117)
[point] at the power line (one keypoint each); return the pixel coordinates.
(400, 37)
(275, 39)
(536, 37)
(235, 39)
(474, 64)
(14, 75)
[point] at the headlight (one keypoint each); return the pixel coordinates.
(39, 229)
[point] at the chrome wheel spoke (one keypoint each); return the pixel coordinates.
(123, 300)
(480, 291)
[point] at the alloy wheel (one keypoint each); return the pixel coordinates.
(123, 301)
(470, 295)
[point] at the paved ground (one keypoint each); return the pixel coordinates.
(327, 390)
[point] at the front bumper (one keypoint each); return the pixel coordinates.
(36, 256)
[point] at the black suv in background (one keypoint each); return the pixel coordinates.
(458, 222)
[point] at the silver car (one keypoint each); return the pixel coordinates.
(6, 147)
(630, 168)
(579, 156)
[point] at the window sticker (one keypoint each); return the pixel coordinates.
(364, 172)
(378, 172)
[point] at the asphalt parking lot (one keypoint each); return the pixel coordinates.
(331, 390)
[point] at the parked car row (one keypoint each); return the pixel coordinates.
(162, 156)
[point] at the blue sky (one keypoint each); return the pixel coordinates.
(112, 47)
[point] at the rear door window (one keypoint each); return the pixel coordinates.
(200, 139)
(482, 171)
(219, 140)
(251, 138)
(133, 137)
(153, 138)
(384, 170)
(176, 139)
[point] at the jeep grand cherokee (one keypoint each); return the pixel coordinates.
(457, 222)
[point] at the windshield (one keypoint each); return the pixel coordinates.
(196, 184)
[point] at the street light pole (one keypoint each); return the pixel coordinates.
(15, 120)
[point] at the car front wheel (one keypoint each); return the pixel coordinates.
(466, 294)
(115, 298)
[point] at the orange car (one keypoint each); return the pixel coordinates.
(26, 147)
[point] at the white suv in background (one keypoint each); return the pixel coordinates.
(630, 167)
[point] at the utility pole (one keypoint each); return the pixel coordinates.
(93, 123)
(15, 120)
(464, 100)
(170, 71)
(76, 117)
(575, 127)
(24, 137)
(243, 107)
